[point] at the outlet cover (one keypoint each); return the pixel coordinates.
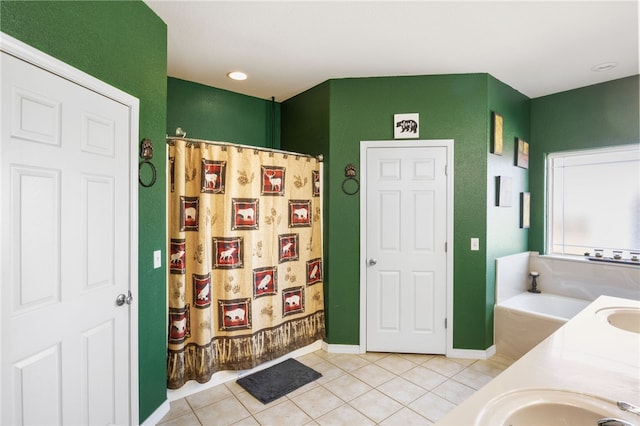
(475, 244)
(157, 259)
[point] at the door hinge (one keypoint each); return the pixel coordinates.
(445, 323)
(446, 170)
(445, 247)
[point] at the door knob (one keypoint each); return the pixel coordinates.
(124, 298)
(372, 262)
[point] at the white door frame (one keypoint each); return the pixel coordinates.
(35, 57)
(364, 145)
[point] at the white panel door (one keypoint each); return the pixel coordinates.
(406, 229)
(65, 251)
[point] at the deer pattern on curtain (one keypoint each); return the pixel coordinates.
(245, 257)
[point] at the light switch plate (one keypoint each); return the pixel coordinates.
(157, 259)
(475, 244)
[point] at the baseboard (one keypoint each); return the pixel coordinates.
(341, 349)
(452, 353)
(157, 415)
(220, 377)
(472, 353)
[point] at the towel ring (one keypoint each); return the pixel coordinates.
(153, 171)
(350, 174)
(355, 191)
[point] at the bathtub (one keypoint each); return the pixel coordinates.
(524, 320)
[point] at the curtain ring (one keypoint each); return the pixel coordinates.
(153, 170)
(357, 185)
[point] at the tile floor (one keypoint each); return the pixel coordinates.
(365, 389)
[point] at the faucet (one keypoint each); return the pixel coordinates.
(624, 406)
(610, 421)
(534, 283)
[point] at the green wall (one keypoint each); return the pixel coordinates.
(213, 114)
(504, 235)
(341, 113)
(307, 131)
(122, 43)
(353, 110)
(595, 116)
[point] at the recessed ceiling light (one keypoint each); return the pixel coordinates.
(605, 66)
(237, 75)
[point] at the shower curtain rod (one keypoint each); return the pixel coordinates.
(318, 157)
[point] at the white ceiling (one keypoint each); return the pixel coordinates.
(287, 47)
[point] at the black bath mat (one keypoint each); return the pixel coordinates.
(278, 380)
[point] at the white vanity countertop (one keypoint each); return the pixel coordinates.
(586, 355)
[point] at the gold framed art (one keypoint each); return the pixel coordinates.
(522, 153)
(496, 133)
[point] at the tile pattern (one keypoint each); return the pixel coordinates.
(365, 389)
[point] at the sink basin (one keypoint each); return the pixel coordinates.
(547, 407)
(627, 319)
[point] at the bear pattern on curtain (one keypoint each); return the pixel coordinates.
(245, 257)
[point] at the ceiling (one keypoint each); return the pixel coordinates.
(287, 47)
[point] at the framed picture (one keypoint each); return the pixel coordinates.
(525, 209)
(522, 153)
(406, 126)
(503, 191)
(496, 133)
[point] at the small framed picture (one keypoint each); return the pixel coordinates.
(525, 209)
(406, 126)
(496, 133)
(503, 191)
(522, 153)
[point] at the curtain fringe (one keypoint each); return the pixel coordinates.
(242, 352)
(172, 139)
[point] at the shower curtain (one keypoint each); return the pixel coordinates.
(245, 257)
